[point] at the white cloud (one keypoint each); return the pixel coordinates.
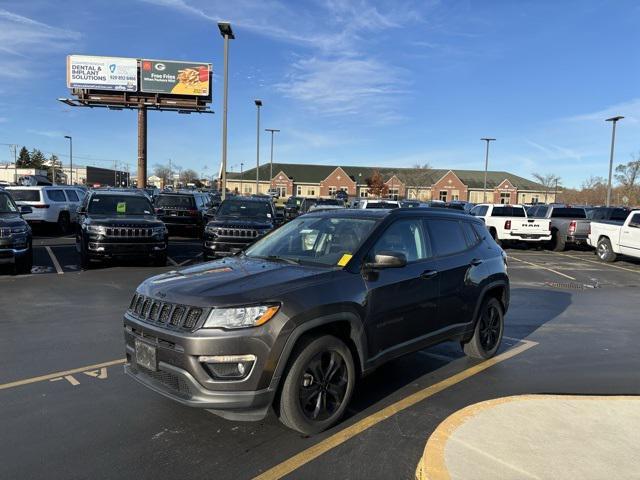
(47, 133)
(23, 38)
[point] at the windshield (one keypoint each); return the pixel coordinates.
(315, 240)
(120, 205)
(235, 208)
(179, 201)
(6, 204)
(25, 195)
(330, 201)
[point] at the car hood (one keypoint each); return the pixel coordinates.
(11, 220)
(234, 281)
(234, 222)
(124, 220)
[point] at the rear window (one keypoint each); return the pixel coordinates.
(479, 211)
(508, 212)
(568, 213)
(382, 205)
(619, 214)
(447, 236)
(235, 208)
(178, 201)
(56, 196)
(25, 195)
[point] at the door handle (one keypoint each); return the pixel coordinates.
(475, 262)
(428, 274)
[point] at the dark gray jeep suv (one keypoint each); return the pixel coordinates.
(292, 321)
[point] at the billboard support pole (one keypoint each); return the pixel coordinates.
(142, 147)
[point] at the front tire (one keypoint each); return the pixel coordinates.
(24, 265)
(64, 223)
(605, 252)
(488, 332)
(317, 386)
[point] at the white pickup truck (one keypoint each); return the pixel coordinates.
(510, 223)
(611, 237)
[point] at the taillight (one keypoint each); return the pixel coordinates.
(42, 205)
(589, 228)
(507, 225)
(572, 227)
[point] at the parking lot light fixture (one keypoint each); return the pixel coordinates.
(258, 105)
(70, 158)
(241, 176)
(227, 34)
(486, 167)
(613, 120)
(272, 130)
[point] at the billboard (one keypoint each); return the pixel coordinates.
(177, 78)
(102, 73)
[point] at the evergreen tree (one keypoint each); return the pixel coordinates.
(24, 160)
(37, 159)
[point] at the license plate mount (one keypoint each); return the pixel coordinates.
(146, 356)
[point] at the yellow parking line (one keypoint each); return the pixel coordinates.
(49, 376)
(56, 264)
(541, 267)
(600, 263)
(338, 438)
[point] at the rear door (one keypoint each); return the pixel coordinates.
(402, 303)
(460, 268)
(74, 202)
(630, 236)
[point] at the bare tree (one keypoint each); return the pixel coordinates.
(163, 172)
(422, 166)
(627, 175)
(188, 176)
(548, 181)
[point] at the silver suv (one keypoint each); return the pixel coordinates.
(50, 204)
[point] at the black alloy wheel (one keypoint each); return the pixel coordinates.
(323, 386)
(490, 325)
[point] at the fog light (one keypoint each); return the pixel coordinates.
(228, 367)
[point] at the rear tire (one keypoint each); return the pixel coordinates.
(558, 242)
(317, 386)
(64, 223)
(605, 251)
(487, 334)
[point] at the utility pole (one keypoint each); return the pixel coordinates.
(258, 105)
(241, 177)
(170, 173)
(486, 168)
(142, 146)
(227, 34)
(614, 120)
(115, 178)
(272, 130)
(15, 163)
(70, 159)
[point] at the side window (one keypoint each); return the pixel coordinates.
(518, 212)
(56, 195)
(72, 195)
(448, 236)
(635, 221)
(479, 211)
(404, 236)
(470, 234)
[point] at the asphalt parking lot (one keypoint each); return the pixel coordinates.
(69, 411)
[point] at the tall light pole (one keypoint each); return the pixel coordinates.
(241, 177)
(15, 164)
(614, 120)
(486, 167)
(227, 34)
(272, 130)
(70, 158)
(258, 105)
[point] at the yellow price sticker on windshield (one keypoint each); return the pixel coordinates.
(344, 259)
(121, 207)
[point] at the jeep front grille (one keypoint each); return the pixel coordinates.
(165, 313)
(129, 232)
(237, 232)
(5, 232)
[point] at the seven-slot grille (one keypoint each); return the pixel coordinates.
(237, 232)
(164, 313)
(5, 232)
(129, 232)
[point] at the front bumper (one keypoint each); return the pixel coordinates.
(181, 377)
(97, 249)
(10, 255)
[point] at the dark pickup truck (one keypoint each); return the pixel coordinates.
(294, 320)
(238, 222)
(117, 224)
(569, 225)
(183, 212)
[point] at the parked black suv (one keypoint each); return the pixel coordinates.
(15, 235)
(296, 318)
(292, 208)
(238, 222)
(115, 224)
(183, 212)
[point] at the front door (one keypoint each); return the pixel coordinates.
(402, 303)
(630, 237)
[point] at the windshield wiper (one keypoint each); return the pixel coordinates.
(276, 258)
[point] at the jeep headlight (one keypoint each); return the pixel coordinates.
(240, 317)
(158, 231)
(20, 229)
(97, 229)
(211, 230)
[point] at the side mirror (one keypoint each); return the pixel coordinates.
(25, 210)
(387, 260)
(81, 211)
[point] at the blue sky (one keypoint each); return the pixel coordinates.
(388, 83)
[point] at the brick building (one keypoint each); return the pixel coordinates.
(411, 183)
